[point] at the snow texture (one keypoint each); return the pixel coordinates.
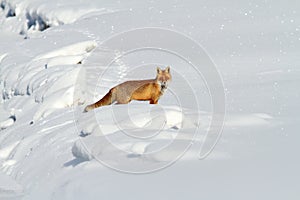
(58, 56)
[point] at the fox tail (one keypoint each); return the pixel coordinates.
(108, 99)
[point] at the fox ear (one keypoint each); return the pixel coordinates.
(158, 70)
(167, 69)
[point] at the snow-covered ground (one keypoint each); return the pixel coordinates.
(58, 56)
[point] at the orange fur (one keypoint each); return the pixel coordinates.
(141, 90)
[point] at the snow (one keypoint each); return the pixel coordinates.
(58, 56)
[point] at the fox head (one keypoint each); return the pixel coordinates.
(163, 77)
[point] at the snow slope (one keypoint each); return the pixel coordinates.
(56, 57)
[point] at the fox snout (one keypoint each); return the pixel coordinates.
(163, 84)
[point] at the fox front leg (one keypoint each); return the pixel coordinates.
(155, 101)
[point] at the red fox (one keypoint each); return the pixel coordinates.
(141, 90)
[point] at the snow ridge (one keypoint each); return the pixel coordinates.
(29, 17)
